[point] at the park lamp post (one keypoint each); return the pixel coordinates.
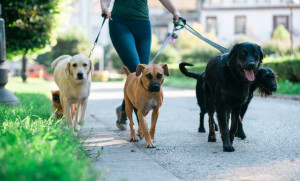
(292, 4)
(6, 97)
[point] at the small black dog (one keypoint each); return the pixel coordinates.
(200, 92)
(227, 85)
(265, 81)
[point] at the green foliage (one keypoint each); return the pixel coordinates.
(200, 54)
(280, 33)
(287, 87)
(287, 70)
(175, 72)
(116, 61)
(35, 147)
(277, 47)
(28, 24)
(71, 41)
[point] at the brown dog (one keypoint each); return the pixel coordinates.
(57, 105)
(143, 91)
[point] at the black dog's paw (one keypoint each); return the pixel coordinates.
(228, 148)
(216, 127)
(212, 138)
(201, 129)
(240, 134)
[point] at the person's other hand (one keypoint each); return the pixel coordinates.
(105, 11)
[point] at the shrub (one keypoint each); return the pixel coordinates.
(175, 72)
(70, 42)
(286, 70)
(280, 33)
(277, 47)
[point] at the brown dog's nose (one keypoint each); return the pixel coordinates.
(155, 87)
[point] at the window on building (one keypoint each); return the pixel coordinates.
(240, 25)
(278, 20)
(211, 24)
(215, 1)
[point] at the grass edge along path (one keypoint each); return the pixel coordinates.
(35, 147)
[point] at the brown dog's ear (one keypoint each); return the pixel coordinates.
(139, 69)
(165, 68)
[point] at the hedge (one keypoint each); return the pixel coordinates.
(287, 70)
(197, 68)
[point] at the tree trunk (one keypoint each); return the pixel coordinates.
(24, 65)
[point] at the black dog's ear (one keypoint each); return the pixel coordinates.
(261, 54)
(233, 53)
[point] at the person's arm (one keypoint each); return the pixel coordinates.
(104, 7)
(171, 8)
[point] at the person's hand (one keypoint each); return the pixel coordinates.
(176, 15)
(106, 12)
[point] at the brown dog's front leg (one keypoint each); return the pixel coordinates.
(128, 110)
(154, 117)
(149, 142)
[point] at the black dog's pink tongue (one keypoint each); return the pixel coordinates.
(250, 75)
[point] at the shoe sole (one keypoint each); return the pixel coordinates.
(121, 127)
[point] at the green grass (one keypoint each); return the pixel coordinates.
(34, 146)
(284, 87)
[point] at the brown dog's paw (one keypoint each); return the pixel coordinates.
(140, 133)
(150, 145)
(134, 139)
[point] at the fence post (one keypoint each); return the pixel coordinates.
(6, 97)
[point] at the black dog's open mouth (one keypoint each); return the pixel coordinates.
(249, 75)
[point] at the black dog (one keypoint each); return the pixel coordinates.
(227, 85)
(200, 92)
(265, 81)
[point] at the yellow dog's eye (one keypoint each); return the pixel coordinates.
(74, 65)
(84, 64)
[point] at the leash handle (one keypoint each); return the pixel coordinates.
(180, 24)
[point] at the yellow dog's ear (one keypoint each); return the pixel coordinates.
(68, 69)
(165, 68)
(91, 68)
(139, 69)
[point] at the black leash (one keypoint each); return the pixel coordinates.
(95, 42)
(182, 23)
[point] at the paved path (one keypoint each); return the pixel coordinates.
(271, 150)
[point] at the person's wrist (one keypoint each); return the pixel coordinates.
(176, 15)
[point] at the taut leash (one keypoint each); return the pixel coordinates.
(165, 43)
(182, 23)
(95, 42)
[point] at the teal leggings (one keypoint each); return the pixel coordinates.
(132, 41)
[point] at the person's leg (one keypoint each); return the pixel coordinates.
(142, 35)
(124, 44)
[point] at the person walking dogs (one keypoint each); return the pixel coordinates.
(130, 33)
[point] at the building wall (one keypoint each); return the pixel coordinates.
(259, 18)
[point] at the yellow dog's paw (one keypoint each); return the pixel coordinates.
(141, 133)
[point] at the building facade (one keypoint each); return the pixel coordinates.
(255, 19)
